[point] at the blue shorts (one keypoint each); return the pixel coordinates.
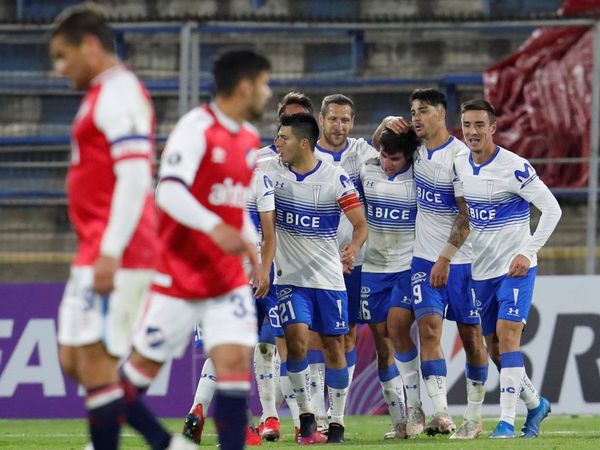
(504, 298)
(380, 292)
(452, 302)
(353, 285)
(266, 313)
(324, 311)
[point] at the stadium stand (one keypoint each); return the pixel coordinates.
(377, 66)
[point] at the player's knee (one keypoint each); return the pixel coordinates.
(297, 350)
(429, 331)
(470, 335)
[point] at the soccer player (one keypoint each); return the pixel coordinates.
(204, 232)
(309, 195)
(336, 119)
(498, 187)
(112, 210)
(291, 103)
(261, 206)
(439, 291)
(267, 379)
(391, 205)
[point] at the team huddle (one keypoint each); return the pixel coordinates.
(420, 227)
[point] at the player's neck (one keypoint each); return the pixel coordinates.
(484, 155)
(306, 164)
(103, 65)
(231, 108)
(330, 147)
(438, 139)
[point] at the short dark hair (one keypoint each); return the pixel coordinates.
(234, 66)
(405, 143)
(337, 99)
(303, 126)
(479, 105)
(295, 98)
(79, 20)
(430, 96)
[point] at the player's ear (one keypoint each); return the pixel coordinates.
(244, 87)
(493, 128)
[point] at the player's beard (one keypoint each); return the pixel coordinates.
(255, 113)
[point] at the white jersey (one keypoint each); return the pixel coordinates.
(350, 158)
(436, 199)
(266, 152)
(391, 205)
(261, 199)
(498, 194)
(307, 215)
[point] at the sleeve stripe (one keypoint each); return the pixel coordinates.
(173, 179)
(349, 201)
(132, 156)
(130, 137)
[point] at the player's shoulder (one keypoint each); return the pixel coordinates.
(461, 159)
(267, 151)
(510, 158)
(247, 126)
(372, 162)
(122, 84)
(269, 164)
(458, 147)
(197, 118)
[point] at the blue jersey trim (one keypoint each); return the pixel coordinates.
(476, 168)
(302, 176)
(433, 150)
(403, 170)
(131, 137)
(337, 156)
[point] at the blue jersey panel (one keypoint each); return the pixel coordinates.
(324, 311)
(353, 283)
(381, 291)
(504, 297)
(452, 301)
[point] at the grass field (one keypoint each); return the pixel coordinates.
(579, 432)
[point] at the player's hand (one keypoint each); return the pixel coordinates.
(519, 266)
(397, 124)
(439, 273)
(254, 264)
(105, 268)
(228, 239)
(261, 282)
(348, 256)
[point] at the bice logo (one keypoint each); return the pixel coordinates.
(419, 276)
(228, 193)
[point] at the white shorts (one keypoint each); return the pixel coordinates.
(168, 323)
(85, 317)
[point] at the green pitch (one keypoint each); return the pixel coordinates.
(579, 432)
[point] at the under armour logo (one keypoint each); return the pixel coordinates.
(513, 311)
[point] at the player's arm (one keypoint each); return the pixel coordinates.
(125, 118)
(458, 235)
(175, 199)
(267, 253)
(355, 214)
(545, 201)
(133, 180)
(397, 124)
